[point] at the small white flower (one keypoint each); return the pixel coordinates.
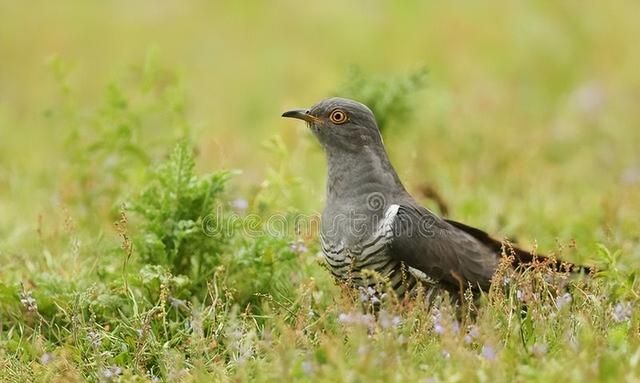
(177, 303)
(240, 204)
(94, 338)
(472, 334)
(46, 358)
(28, 301)
(111, 373)
(539, 349)
(357, 319)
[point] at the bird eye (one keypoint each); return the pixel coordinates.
(338, 117)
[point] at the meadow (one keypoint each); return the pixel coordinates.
(130, 132)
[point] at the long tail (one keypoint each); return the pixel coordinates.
(521, 258)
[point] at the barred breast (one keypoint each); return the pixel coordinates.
(369, 263)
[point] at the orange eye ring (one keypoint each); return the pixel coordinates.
(338, 117)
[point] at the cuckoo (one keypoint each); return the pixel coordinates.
(372, 228)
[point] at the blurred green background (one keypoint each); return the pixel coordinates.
(528, 122)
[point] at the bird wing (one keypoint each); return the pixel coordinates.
(521, 257)
(448, 252)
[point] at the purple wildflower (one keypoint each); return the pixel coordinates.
(112, 372)
(563, 300)
(298, 247)
(308, 368)
(386, 320)
(369, 295)
(455, 326)
(357, 319)
(622, 312)
(488, 352)
(472, 334)
(436, 317)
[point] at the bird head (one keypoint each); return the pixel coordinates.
(340, 124)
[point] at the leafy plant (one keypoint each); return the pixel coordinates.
(172, 210)
(621, 278)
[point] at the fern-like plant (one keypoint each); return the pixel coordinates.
(173, 208)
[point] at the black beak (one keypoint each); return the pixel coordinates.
(300, 114)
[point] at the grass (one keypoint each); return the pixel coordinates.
(132, 133)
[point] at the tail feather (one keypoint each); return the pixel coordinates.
(521, 258)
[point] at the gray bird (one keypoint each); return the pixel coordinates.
(372, 229)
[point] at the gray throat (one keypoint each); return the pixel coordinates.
(353, 175)
(361, 185)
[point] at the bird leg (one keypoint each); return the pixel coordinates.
(460, 280)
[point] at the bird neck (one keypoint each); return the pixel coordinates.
(356, 174)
